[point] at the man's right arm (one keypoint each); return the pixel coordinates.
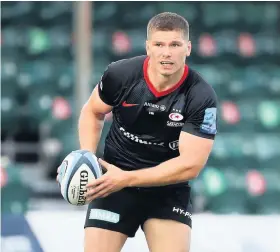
(91, 121)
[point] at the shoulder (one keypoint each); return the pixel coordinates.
(117, 77)
(200, 88)
(127, 69)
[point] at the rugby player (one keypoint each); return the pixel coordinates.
(163, 129)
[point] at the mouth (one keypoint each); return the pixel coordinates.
(166, 63)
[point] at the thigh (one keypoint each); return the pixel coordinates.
(117, 212)
(100, 240)
(167, 235)
(168, 222)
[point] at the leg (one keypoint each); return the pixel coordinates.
(167, 224)
(110, 221)
(100, 240)
(167, 235)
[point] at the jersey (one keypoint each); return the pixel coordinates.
(146, 123)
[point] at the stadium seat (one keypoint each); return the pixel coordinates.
(52, 14)
(143, 11)
(104, 13)
(269, 203)
(65, 79)
(269, 114)
(230, 202)
(268, 149)
(66, 132)
(188, 10)
(9, 108)
(225, 190)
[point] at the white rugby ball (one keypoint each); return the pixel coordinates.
(76, 170)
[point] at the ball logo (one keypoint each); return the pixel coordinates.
(176, 117)
(83, 189)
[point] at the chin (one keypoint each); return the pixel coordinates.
(167, 73)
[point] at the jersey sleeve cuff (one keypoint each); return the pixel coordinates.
(197, 132)
(103, 98)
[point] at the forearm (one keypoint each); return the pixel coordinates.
(90, 128)
(173, 171)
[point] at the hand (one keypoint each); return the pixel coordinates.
(112, 181)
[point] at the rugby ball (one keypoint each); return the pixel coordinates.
(74, 173)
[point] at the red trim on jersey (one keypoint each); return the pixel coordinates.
(165, 92)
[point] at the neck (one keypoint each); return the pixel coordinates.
(161, 82)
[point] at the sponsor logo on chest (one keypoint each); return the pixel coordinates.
(175, 118)
(155, 106)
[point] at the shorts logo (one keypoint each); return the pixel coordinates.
(208, 125)
(181, 211)
(174, 145)
(176, 117)
(104, 215)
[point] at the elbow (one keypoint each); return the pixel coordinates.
(88, 112)
(194, 172)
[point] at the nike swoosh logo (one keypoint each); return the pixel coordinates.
(129, 104)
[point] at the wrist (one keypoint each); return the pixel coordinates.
(129, 178)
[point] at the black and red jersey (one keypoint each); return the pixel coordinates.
(147, 123)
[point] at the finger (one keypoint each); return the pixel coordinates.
(96, 182)
(101, 194)
(104, 164)
(95, 190)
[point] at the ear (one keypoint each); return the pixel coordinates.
(148, 47)
(189, 48)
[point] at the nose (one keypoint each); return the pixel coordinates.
(166, 52)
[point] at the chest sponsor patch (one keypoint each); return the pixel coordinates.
(176, 117)
(208, 125)
(174, 124)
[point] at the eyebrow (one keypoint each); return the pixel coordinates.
(174, 41)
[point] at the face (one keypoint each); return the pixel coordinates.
(167, 51)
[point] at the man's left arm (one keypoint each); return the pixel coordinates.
(195, 143)
(194, 153)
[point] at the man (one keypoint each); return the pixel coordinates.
(164, 124)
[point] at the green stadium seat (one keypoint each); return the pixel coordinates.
(269, 203)
(99, 66)
(65, 80)
(268, 149)
(104, 14)
(144, 12)
(230, 202)
(9, 107)
(225, 190)
(273, 76)
(188, 10)
(66, 132)
(99, 48)
(269, 114)
(235, 148)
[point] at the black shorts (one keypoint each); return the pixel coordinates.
(124, 211)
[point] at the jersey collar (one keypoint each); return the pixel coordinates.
(165, 92)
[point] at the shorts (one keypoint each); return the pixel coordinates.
(126, 210)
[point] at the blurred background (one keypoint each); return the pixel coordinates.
(54, 53)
